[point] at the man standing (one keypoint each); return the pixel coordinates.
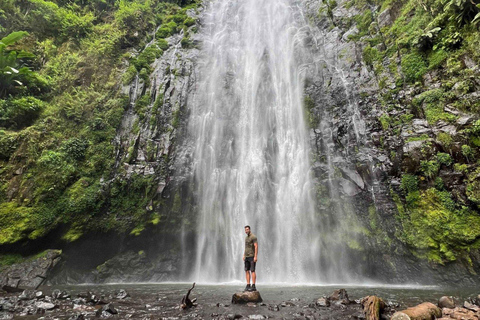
(250, 258)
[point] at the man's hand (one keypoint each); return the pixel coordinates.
(243, 258)
(254, 259)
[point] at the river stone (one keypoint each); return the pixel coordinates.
(339, 294)
(323, 302)
(122, 294)
(446, 302)
(45, 305)
(256, 316)
(470, 306)
(246, 297)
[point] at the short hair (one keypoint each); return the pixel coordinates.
(247, 227)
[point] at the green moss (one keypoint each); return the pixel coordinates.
(16, 222)
(9, 259)
(444, 158)
(137, 230)
(73, 234)
(438, 231)
(422, 137)
(429, 168)
(309, 106)
(413, 67)
(163, 44)
(385, 121)
(409, 183)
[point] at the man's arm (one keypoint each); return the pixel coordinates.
(256, 252)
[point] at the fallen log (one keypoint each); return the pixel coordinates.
(372, 307)
(424, 311)
(186, 302)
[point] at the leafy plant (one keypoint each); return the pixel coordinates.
(13, 72)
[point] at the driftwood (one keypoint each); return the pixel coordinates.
(186, 302)
(424, 311)
(372, 307)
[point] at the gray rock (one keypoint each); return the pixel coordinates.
(354, 176)
(273, 307)
(122, 294)
(108, 309)
(349, 188)
(256, 316)
(31, 273)
(446, 302)
(323, 302)
(470, 306)
(45, 305)
(385, 18)
(27, 295)
(339, 294)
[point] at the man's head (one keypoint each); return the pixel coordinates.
(247, 229)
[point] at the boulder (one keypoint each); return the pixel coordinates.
(446, 302)
(29, 274)
(246, 297)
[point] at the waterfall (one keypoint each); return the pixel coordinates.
(251, 160)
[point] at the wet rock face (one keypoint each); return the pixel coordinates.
(29, 274)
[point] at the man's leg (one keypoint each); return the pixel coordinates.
(247, 274)
(254, 277)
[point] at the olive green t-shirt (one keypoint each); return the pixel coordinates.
(249, 247)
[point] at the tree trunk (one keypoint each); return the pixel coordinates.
(424, 311)
(372, 307)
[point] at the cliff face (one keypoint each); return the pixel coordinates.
(389, 96)
(392, 100)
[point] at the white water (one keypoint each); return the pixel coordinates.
(251, 156)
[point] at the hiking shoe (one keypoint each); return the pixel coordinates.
(247, 288)
(252, 288)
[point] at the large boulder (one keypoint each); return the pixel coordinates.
(246, 297)
(31, 273)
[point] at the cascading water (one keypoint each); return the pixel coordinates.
(251, 161)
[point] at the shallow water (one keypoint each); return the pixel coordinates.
(161, 300)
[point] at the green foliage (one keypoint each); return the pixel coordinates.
(189, 21)
(444, 158)
(186, 43)
(20, 112)
(445, 139)
(163, 44)
(385, 121)
(16, 76)
(437, 230)
(429, 168)
(8, 144)
(409, 183)
(468, 152)
(413, 67)
(370, 55)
